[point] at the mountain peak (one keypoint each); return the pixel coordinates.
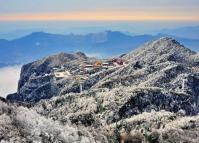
(167, 40)
(66, 57)
(81, 54)
(33, 35)
(168, 44)
(161, 50)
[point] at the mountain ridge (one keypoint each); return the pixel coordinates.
(148, 95)
(40, 44)
(164, 50)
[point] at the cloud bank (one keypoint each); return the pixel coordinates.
(9, 77)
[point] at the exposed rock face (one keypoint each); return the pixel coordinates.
(36, 80)
(146, 100)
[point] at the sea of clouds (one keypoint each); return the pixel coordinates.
(9, 77)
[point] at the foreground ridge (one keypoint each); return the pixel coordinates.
(146, 95)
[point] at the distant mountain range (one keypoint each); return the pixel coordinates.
(108, 43)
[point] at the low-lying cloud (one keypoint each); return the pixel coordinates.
(9, 77)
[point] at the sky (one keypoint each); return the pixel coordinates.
(108, 10)
(22, 17)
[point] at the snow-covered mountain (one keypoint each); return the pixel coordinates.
(147, 95)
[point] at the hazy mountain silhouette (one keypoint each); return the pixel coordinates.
(108, 43)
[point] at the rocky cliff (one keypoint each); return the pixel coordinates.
(152, 97)
(37, 78)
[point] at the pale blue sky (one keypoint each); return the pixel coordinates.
(99, 10)
(167, 8)
(20, 6)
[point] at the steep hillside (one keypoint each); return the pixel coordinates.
(37, 80)
(22, 125)
(143, 96)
